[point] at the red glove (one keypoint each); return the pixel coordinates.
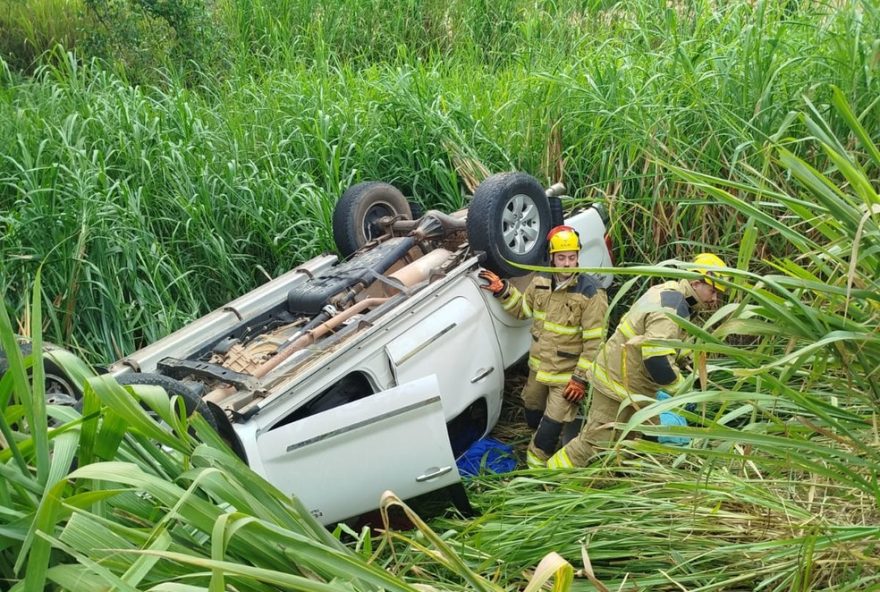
(574, 390)
(496, 285)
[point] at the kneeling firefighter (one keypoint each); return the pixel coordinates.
(632, 363)
(568, 310)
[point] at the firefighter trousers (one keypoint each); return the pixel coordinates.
(599, 431)
(547, 400)
(548, 411)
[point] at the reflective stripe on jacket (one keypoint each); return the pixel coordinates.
(619, 370)
(569, 323)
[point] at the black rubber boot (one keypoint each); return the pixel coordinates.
(571, 429)
(547, 435)
(533, 417)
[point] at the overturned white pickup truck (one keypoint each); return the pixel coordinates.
(344, 378)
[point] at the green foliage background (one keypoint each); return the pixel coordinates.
(156, 190)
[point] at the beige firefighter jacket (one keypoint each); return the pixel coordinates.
(569, 323)
(618, 370)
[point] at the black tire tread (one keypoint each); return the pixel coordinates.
(49, 367)
(483, 233)
(345, 222)
(191, 400)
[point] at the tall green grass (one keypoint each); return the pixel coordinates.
(747, 128)
(29, 29)
(151, 205)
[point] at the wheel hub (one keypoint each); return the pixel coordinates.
(520, 224)
(372, 227)
(59, 391)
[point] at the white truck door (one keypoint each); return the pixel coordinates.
(339, 462)
(458, 344)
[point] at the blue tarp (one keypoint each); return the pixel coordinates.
(486, 456)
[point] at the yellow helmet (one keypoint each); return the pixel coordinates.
(563, 238)
(706, 262)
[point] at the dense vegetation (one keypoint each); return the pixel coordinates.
(148, 205)
(206, 151)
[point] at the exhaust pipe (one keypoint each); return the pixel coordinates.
(217, 396)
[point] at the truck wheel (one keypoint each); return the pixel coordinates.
(509, 219)
(191, 400)
(356, 215)
(60, 390)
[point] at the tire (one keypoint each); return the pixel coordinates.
(191, 400)
(358, 210)
(509, 219)
(60, 389)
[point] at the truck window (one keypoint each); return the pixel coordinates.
(349, 388)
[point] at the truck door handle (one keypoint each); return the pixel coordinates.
(482, 373)
(433, 473)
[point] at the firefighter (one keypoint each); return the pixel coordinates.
(568, 311)
(630, 362)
